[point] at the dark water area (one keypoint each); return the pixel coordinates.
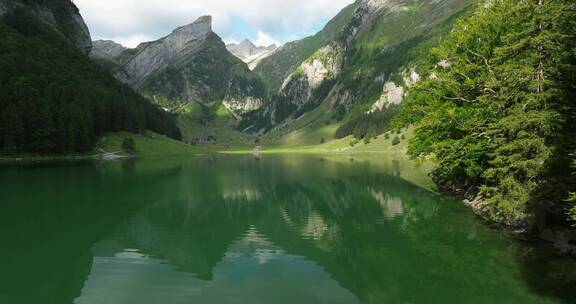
(301, 229)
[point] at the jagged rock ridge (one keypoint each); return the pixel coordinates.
(190, 65)
(151, 56)
(250, 53)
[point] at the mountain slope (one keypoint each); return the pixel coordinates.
(53, 98)
(275, 68)
(361, 70)
(189, 66)
(62, 16)
(250, 53)
(106, 50)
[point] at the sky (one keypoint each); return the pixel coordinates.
(265, 22)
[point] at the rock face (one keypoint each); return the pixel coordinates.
(151, 56)
(250, 53)
(191, 65)
(326, 63)
(359, 60)
(62, 15)
(299, 90)
(241, 105)
(393, 94)
(106, 49)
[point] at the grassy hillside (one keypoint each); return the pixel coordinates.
(151, 145)
(212, 125)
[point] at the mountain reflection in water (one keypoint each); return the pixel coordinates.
(240, 230)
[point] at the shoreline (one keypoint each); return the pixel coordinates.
(59, 158)
(562, 239)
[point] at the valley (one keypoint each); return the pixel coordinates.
(317, 102)
(391, 151)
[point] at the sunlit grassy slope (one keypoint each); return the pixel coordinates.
(202, 122)
(151, 145)
(306, 141)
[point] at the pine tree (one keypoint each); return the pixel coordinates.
(128, 144)
(497, 107)
(530, 100)
(54, 99)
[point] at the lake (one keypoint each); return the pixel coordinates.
(246, 229)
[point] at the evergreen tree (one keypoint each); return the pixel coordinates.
(128, 144)
(497, 107)
(54, 99)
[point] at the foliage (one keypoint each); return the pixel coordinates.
(396, 141)
(298, 73)
(62, 10)
(368, 125)
(128, 144)
(572, 200)
(497, 108)
(53, 99)
(339, 112)
(572, 212)
(151, 145)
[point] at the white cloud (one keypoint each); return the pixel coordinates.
(230, 41)
(279, 19)
(265, 40)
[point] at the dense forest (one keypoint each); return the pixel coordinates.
(497, 110)
(54, 99)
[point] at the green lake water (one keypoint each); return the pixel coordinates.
(242, 229)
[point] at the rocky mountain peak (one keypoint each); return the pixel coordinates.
(203, 23)
(246, 43)
(248, 52)
(197, 30)
(154, 55)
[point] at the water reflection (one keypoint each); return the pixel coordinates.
(237, 230)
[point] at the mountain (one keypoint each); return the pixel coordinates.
(53, 98)
(357, 68)
(106, 50)
(187, 67)
(62, 16)
(275, 68)
(250, 53)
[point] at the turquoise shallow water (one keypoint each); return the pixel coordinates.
(256, 230)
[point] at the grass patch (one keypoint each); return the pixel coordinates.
(152, 145)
